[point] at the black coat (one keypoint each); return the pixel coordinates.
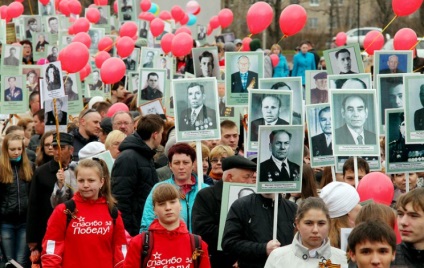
(205, 222)
(249, 226)
(80, 142)
(39, 207)
(319, 145)
(133, 176)
(408, 256)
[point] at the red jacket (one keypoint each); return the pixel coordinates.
(91, 240)
(170, 249)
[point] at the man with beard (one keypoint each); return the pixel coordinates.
(87, 131)
(322, 143)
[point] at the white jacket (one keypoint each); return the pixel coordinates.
(297, 255)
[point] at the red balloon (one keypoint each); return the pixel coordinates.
(129, 28)
(125, 46)
(100, 2)
(145, 5)
(64, 7)
(184, 20)
(100, 58)
(225, 17)
(71, 30)
(3, 12)
(177, 13)
(92, 15)
(183, 29)
(85, 72)
(14, 10)
(292, 19)
(259, 17)
(405, 7)
(81, 25)
(198, 11)
(192, 7)
(42, 61)
(182, 44)
(146, 16)
(116, 107)
(404, 39)
(166, 42)
(115, 7)
(374, 40)
(112, 71)
(75, 7)
(246, 44)
(82, 38)
(214, 22)
(156, 26)
(74, 57)
(105, 44)
(376, 186)
(209, 30)
(165, 15)
(341, 38)
(274, 59)
(44, 2)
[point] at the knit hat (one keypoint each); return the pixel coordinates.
(94, 100)
(91, 149)
(340, 198)
(106, 125)
(255, 44)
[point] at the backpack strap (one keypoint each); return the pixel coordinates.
(146, 249)
(114, 214)
(70, 211)
(196, 247)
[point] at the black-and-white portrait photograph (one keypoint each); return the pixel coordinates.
(52, 25)
(242, 73)
(165, 63)
(52, 53)
(12, 55)
(293, 84)
(126, 11)
(267, 108)
(48, 9)
(390, 91)
(144, 27)
(52, 74)
(31, 74)
(205, 61)
(392, 62)
(13, 88)
(95, 81)
(320, 134)
(104, 15)
(32, 26)
(196, 109)
(344, 60)
(316, 87)
(71, 87)
(131, 62)
(401, 157)
(153, 107)
(201, 32)
(414, 108)
(374, 163)
(224, 110)
(167, 29)
(134, 82)
(61, 111)
(95, 34)
(350, 81)
(149, 57)
(66, 40)
(40, 42)
(355, 122)
(280, 159)
(152, 84)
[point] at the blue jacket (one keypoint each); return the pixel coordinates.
(186, 204)
(301, 63)
(282, 68)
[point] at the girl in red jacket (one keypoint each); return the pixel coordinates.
(171, 244)
(93, 238)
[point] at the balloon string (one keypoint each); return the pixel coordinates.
(30, 7)
(56, 118)
(249, 35)
(415, 45)
(382, 31)
(284, 36)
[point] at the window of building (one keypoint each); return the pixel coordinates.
(313, 23)
(314, 2)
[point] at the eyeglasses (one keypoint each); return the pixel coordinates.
(216, 160)
(249, 176)
(87, 112)
(122, 123)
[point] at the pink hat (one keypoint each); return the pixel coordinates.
(117, 107)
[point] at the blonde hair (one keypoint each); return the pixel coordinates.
(6, 173)
(219, 150)
(335, 225)
(103, 172)
(205, 149)
(113, 136)
(276, 46)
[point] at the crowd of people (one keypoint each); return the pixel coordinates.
(62, 205)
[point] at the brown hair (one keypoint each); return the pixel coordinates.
(375, 211)
(42, 157)
(6, 173)
(415, 197)
(164, 192)
(102, 170)
(309, 185)
(335, 225)
(23, 122)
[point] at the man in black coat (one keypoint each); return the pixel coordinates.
(42, 185)
(419, 114)
(207, 207)
(271, 107)
(322, 144)
(244, 79)
(134, 173)
(278, 167)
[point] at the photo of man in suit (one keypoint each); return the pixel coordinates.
(392, 63)
(278, 167)
(198, 116)
(419, 114)
(149, 60)
(53, 25)
(344, 61)
(270, 107)
(12, 93)
(62, 116)
(355, 113)
(11, 60)
(152, 90)
(244, 79)
(322, 144)
(224, 110)
(130, 63)
(201, 32)
(103, 19)
(32, 28)
(96, 82)
(206, 64)
(143, 29)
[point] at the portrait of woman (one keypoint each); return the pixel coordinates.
(52, 77)
(42, 42)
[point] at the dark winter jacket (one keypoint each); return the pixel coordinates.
(408, 256)
(133, 176)
(80, 142)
